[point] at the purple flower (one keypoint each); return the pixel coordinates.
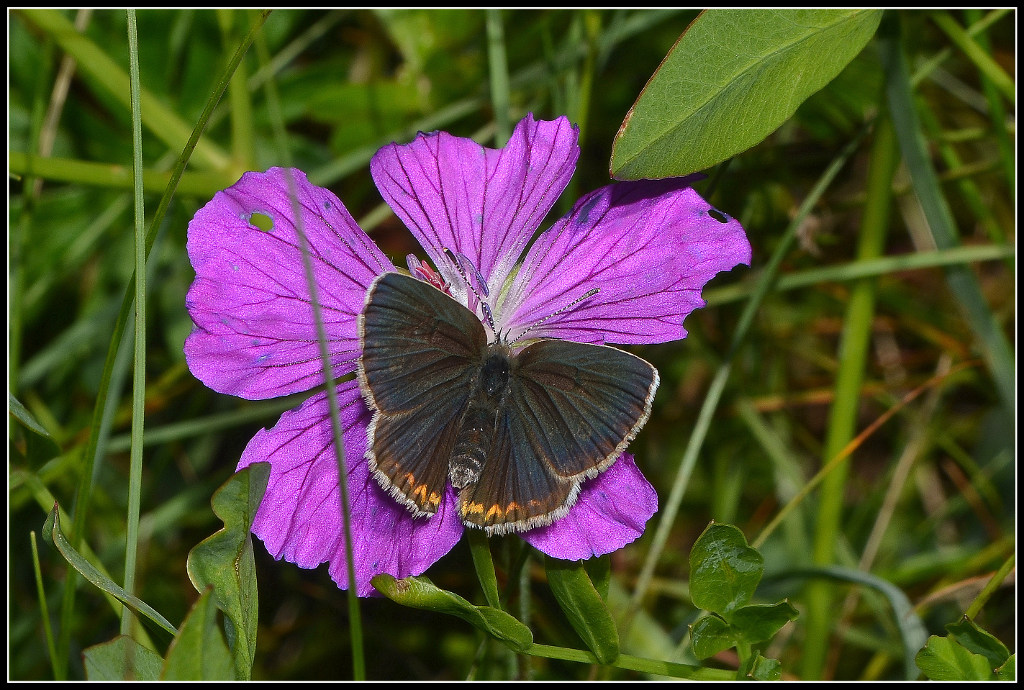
(648, 247)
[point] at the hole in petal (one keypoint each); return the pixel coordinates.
(718, 215)
(262, 221)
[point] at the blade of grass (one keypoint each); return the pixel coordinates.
(201, 184)
(766, 280)
(281, 140)
(634, 663)
(975, 29)
(852, 357)
(162, 122)
(969, 191)
(139, 371)
(243, 147)
(813, 483)
(539, 72)
(869, 268)
(962, 282)
(20, 230)
(498, 66)
(976, 54)
(44, 610)
(102, 410)
(996, 112)
(991, 586)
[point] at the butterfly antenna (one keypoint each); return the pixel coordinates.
(458, 262)
(590, 293)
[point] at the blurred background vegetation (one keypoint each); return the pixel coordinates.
(930, 496)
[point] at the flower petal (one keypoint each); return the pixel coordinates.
(300, 517)
(648, 247)
(481, 203)
(611, 511)
(255, 336)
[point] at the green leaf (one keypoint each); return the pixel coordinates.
(584, 607)
(760, 622)
(225, 561)
(53, 534)
(600, 572)
(759, 668)
(1008, 671)
(21, 413)
(724, 571)
(945, 659)
(979, 641)
(729, 81)
(421, 593)
(122, 658)
(710, 635)
(39, 444)
(199, 651)
(912, 630)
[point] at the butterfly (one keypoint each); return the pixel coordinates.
(515, 428)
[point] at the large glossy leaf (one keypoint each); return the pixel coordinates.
(979, 641)
(724, 570)
(584, 607)
(199, 651)
(225, 561)
(711, 635)
(421, 593)
(122, 658)
(730, 80)
(943, 658)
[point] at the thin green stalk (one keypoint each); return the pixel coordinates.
(243, 146)
(994, 583)
(139, 377)
(996, 113)
(787, 471)
(499, 75)
(975, 29)
(976, 54)
(847, 450)
(969, 190)
(668, 514)
(634, 663)
(962, 282)
(852, 357)
(281, 137)
(201, 184)
(20, 230)
(44, 610)
(100, 419)
(869, 268)
(480, 549)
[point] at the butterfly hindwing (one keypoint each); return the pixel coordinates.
(570, 410)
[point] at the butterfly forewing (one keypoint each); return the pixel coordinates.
(577, 406)
(421, 353)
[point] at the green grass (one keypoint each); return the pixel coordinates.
(897, 242)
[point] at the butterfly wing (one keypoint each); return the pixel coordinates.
(421, 351)
(571, 409)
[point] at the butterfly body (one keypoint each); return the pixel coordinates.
(515, 429)
(480, 418)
